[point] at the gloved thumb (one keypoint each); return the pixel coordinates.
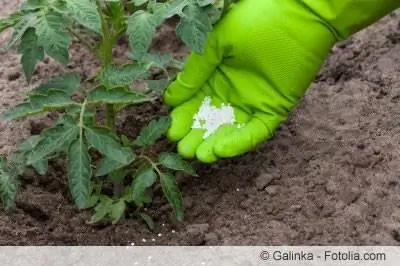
(198, 68)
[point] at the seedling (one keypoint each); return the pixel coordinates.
(47, 28)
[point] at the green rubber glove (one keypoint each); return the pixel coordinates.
(260, 58)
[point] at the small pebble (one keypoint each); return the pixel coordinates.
(132, 244)
(237, 189)
(160, 235)
(153, 239)
(144, 240)
(173, 231)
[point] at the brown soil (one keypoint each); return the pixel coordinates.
(330, 176)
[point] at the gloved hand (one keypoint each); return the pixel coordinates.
(260, 58)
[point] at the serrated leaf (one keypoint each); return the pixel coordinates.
(8, 186)
(79, 172)
(53, 36)
(153, 131)
(9, 21)
(194, 27)
(175, 162)
(28, 144)
(41, 166)
(67, 83)
(85, 13)
(139, 2)
(108, 165)
(148, 220)
(125, 141)
(53, 139)
(160, 60)
(107, 144)
(157, 85)
(143, 179)
(141, 30)
(173, 194)
(114, 76)
(31, 52)
(16, 163)
(117, 211)
(19, 29)
(101, 210)
(30, 5)
(38, 103)
(175, 7)
(116, 14)
(116, 96)
(204, 2)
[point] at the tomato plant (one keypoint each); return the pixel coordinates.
(47, 28)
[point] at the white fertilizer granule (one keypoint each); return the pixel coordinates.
(210, 118)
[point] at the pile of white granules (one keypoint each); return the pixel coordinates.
(210, 118)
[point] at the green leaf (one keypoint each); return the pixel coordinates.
(139, 2)
(53, 36)
(53, 139)
(102, 209)
(9, 21)
(125, 141)
(16, 163)
(39, 103)
(194, 27)
(107, 144)
(68, 83)
(108, 165)
(85, 13)
(157, 85)
(117, 211)
(142, 181)
(116, 96)
(148, 220)
(173, 194)
(141, 30)
(153, 131)
(175, 7)
(116, 14)
(31, 52)
(204, 2)
(30, 5)
(175, 162)
(8, 186)
(28, 144)
(41, 166)
(160, 60)
(19, 29)
(80, 172)
(114, 76)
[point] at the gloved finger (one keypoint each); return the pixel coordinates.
(205, 152)
(182, 118)
(188, 145)
(243, 139)
(197, 70)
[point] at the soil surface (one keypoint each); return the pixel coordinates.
(329, 177)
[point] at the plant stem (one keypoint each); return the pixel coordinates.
(110, 117)
(105, 53)
(154, 165)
